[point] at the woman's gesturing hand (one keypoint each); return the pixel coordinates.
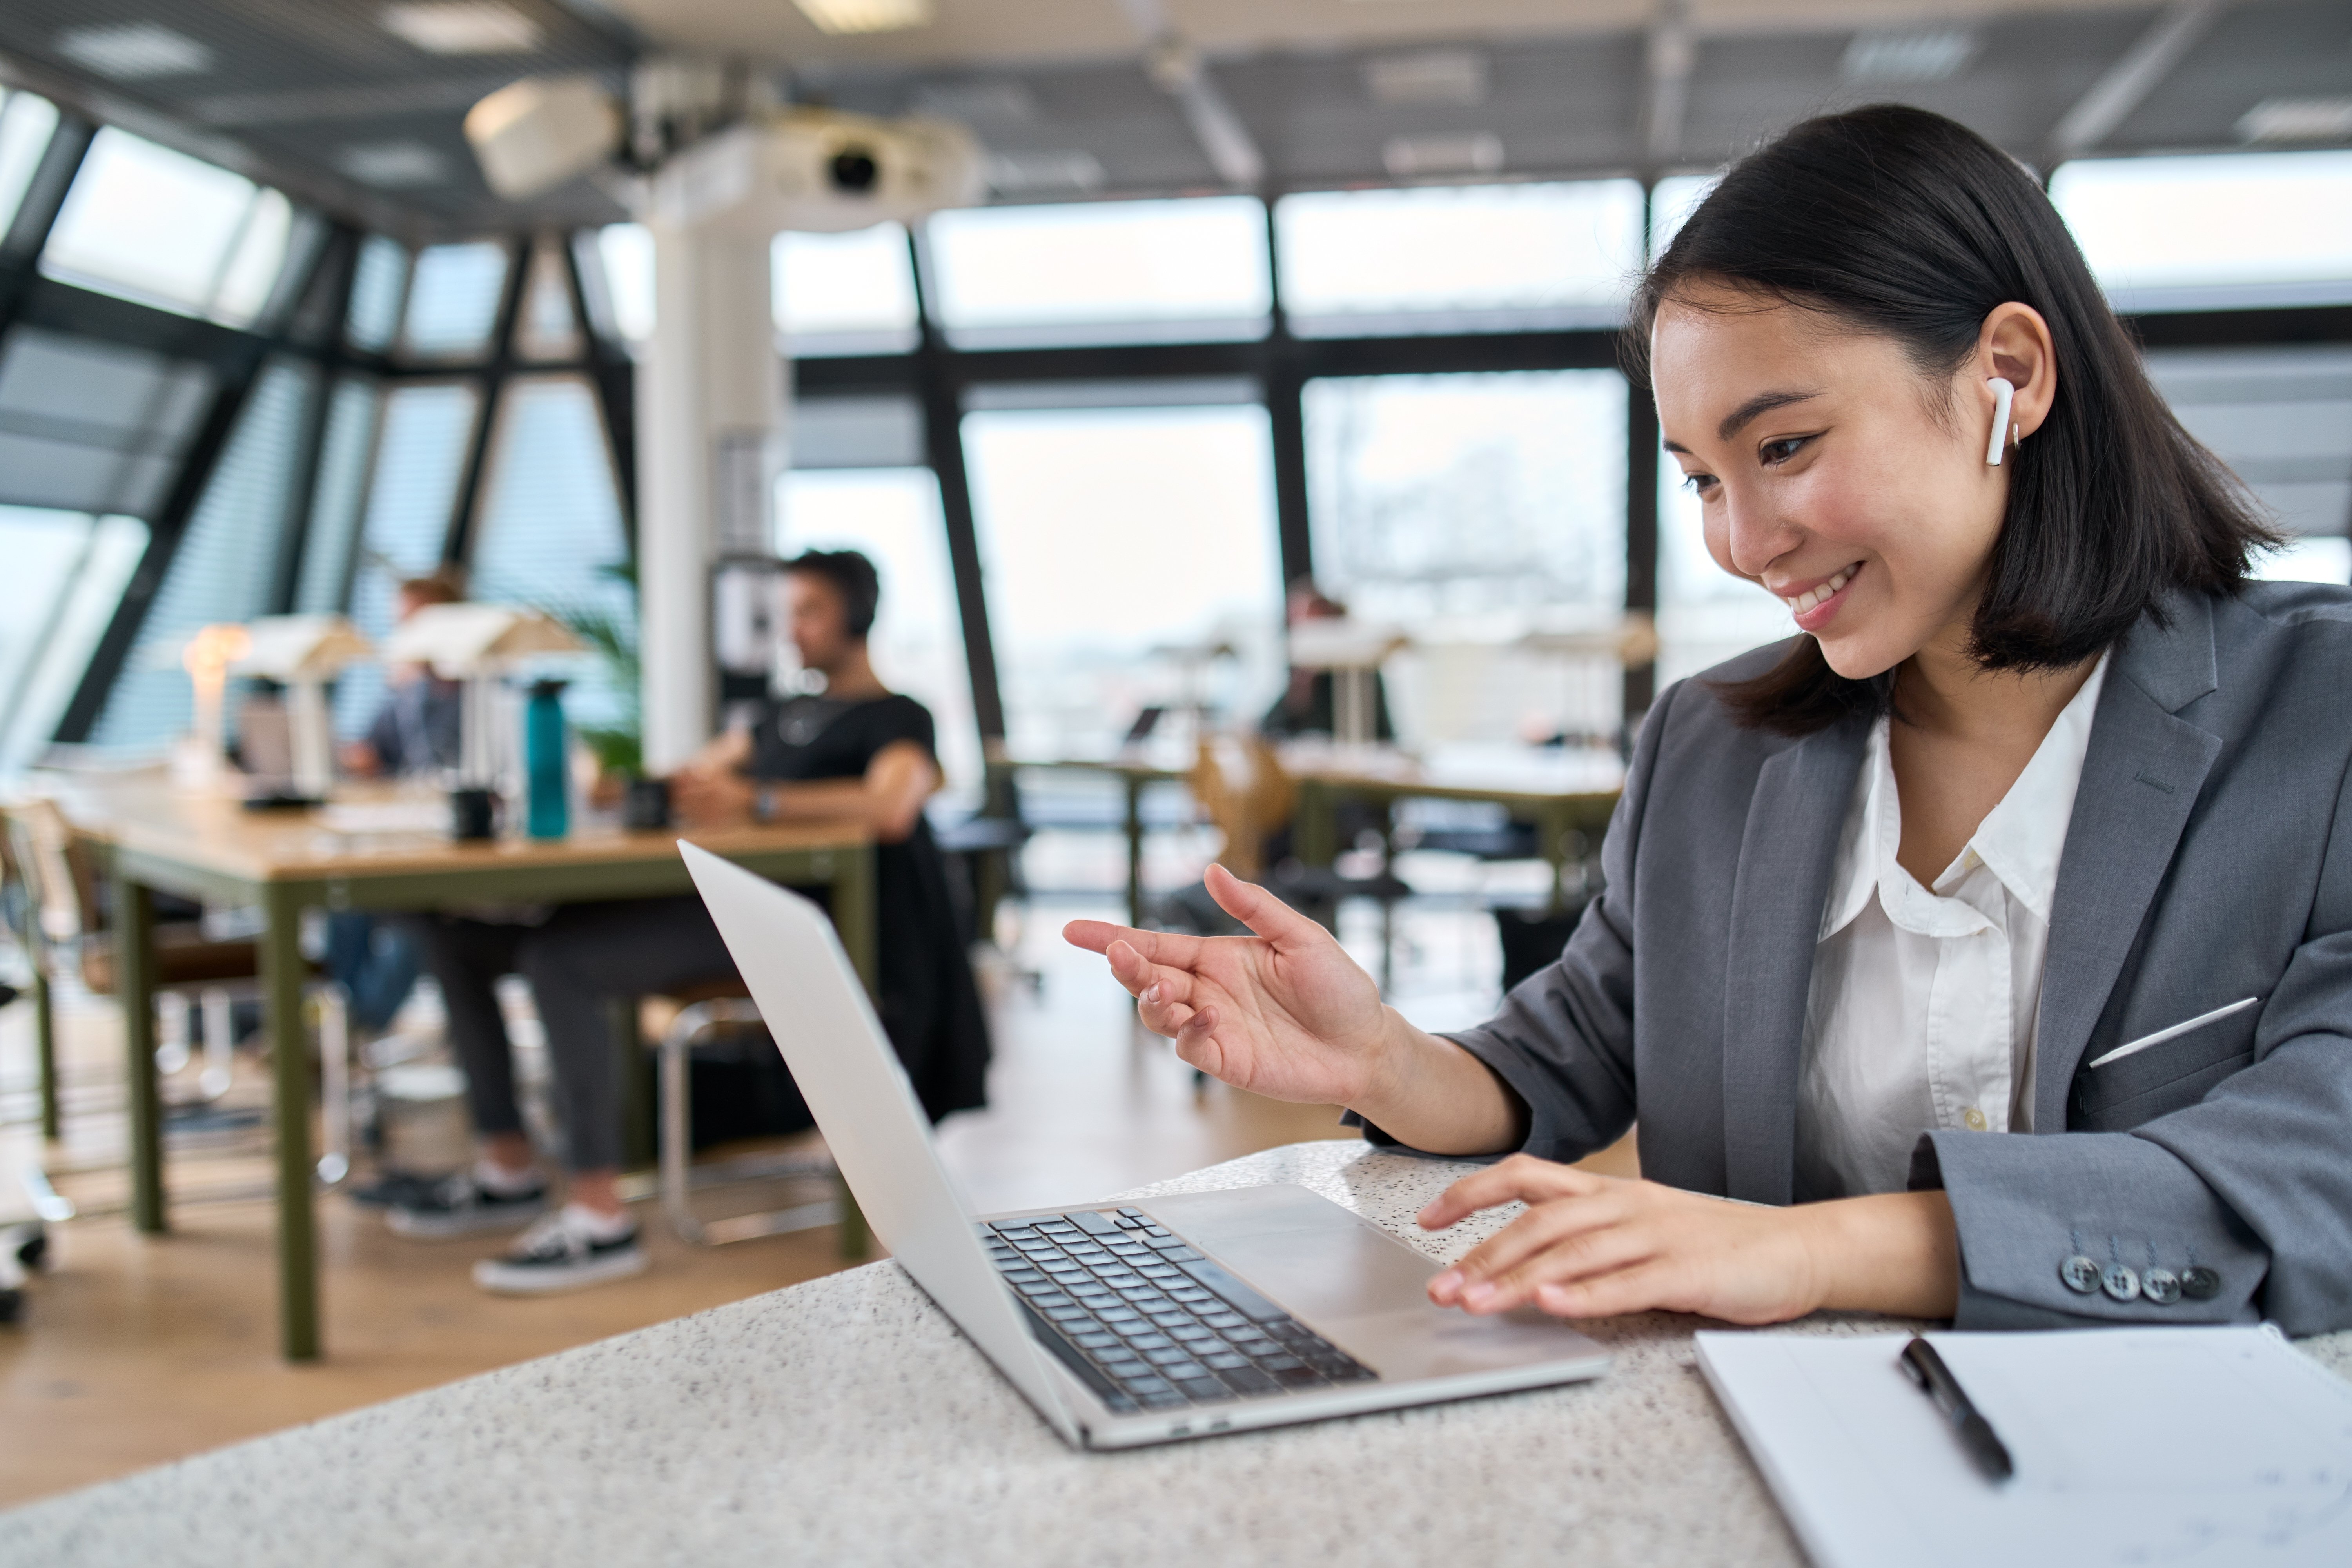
(1593, 1245)
(1285, 1013)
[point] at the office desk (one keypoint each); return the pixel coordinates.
(1560, 795)
(845, 1421)
(148, 836)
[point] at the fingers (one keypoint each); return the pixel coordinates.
(1639, 1289)
(1603, 1246)
(1540, 1232)
(1522, 1178)
(1158, 946)
(1260, 910)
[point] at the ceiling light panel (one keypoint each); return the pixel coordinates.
(392, 166)
(1427, 75)
(1458, 152)
(2297, 119)
(137, 52)
(846, 16)
(462, 27)
(1908, 56)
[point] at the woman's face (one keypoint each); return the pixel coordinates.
(1830, 471)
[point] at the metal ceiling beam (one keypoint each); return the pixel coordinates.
(1175, 67)
(2136, 73)
(1670, 51)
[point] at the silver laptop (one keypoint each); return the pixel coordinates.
(1123, 1323)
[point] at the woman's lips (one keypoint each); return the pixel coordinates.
(1815, 607)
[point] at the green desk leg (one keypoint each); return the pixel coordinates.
(853, 917)
(134, 986)
(633, 1066)
(1134, 850)
(290, 1059)
(44, 1038)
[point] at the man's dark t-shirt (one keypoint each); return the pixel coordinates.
(928, 1001)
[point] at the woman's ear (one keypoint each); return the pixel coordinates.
(2014, 345)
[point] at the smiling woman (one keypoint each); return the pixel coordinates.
(2042, 777)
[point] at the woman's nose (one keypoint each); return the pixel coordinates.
(1755, 536)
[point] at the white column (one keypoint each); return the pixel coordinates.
(709, 426)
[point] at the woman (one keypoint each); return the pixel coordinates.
(2044, 776)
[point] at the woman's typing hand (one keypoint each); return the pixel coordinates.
(1593, 1245)
(1286, 1013)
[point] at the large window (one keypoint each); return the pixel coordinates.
(225, 567)
(1122, 549)
(327, 552)
(892, 515)
(1460, 258)
(26, 122)
(1099, 272)
(846, 293)
(1704, 614)
(453, 299)
(149, 224)
(2256, 229)
(93, 426)
(420, 458)
(2281, 419)
(66, 574)
(1470, 511)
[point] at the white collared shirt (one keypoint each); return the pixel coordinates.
(1924, 1000)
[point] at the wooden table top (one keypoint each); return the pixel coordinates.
(1516, 775)
(144, 814)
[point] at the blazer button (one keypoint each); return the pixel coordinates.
(2080, 1275)
(2119, 1282)
(2161, 1285)
(2200, 1283)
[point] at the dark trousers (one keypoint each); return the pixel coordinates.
(584, 955)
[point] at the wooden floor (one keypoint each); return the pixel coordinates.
(135, 1351)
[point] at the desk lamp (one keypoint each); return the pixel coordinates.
(201, 758)
(1353, 651)
(479, 646)
(303, 653)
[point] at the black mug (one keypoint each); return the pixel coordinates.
(473, 815)
(645, 805)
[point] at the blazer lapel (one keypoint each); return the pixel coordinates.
(1785, 856)
(2140, 780)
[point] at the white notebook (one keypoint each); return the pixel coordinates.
(2171, 1447)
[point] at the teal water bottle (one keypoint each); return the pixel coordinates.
(547, 764)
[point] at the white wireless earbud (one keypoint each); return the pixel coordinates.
(2003, 395)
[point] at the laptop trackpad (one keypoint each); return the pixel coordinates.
(1356, 1284)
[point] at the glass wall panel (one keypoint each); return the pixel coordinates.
(893, 516)
(221, 570)
(550, 525)
(67, 573)
(2281, 419)
(846, 293)
(453, 299)
(2203, 233)
(26, 123)
(378, 288)
(90, 427)
(1458, 258)
(1470, 511)
(145, 223)
(1096, 272)
(420, 457)
(326, 575)
(1119, 547)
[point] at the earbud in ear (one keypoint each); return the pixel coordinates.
(2003, 395)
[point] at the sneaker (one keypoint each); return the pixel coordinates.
(562, 1252)
(395, 1189)
(459, 1205)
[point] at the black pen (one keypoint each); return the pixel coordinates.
(1928, 1370)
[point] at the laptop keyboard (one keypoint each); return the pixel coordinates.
(1149, 1323)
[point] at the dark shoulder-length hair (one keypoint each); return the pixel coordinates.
(1900, 222)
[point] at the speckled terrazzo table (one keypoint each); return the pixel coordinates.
(845, 1421)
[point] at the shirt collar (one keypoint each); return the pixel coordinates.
(2020, 840)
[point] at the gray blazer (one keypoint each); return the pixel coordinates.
(2208, 858)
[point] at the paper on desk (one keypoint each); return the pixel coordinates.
(430, 815)
(2188, 1446)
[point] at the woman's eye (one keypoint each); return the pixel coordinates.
(1781, 451)
(1699, 484)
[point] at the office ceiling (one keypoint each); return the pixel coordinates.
(355, 105)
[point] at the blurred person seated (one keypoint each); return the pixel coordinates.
(855, 751)
(1308, 705)
(414, 734)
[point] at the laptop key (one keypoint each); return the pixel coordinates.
(1280, 1362)
(1150, 1383)
(1247, 1380)
(1226, 1361)
(1169, 1355)
(1069, 1314)
(1222, 1320)
(1181, 1254)
(1298, 1377)
(1150, 1341)
(1095, 1222)
(1200, 1387)
(1240, 1297)
(1095, 1340)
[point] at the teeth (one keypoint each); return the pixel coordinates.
(1806, 601)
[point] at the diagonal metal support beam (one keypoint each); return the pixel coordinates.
(1176, 68)
(2136, 73)
(1670, 52)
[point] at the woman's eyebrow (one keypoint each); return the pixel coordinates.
(1763, 403)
